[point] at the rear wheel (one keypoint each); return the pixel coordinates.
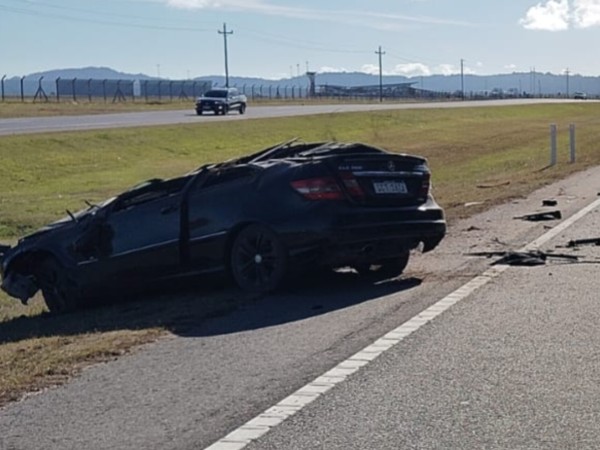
(258, 259)
(386, 268)
(58, 289)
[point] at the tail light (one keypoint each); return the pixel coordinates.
(425, 185)
(352, 186)
(322, 188)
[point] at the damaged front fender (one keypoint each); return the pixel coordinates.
(20, 286)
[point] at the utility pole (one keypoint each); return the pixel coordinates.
(380, 53)
(567, 73)
(462, 78)
(225, 33)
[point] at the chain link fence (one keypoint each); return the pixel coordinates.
(111, 90)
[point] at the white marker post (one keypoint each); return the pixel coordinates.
(572, 142)
(553, 149)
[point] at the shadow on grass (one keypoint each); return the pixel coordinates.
(187, 310)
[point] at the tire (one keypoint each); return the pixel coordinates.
(258, 259)
(58, 289)
(199, 112)
(242, 108)
(387, 268)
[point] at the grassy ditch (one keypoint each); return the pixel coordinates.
(487, 155)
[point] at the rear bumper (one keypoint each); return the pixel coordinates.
(354, 236)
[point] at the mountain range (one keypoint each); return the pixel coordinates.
(519, 82)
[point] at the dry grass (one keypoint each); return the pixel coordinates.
(504, 149)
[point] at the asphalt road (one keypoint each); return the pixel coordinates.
(511, 366)
(122, 120)
(514, 365)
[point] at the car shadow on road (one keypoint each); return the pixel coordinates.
(211, 307)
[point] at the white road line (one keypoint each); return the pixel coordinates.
(261, 424)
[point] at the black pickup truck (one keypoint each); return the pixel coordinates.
(221, 101)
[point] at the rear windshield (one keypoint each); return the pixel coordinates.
(216, 94)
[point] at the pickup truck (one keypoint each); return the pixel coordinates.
(221, 101)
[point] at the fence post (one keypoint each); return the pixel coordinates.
(572, 142)
(22, 91)
(2, 82)
(553, 150)
(57, 90)
(73, 87)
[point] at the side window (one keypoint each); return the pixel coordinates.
(228, 175)
(149, 192)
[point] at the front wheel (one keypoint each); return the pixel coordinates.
(258, 259)
(199, 112)
(59, 291)
(242, 108)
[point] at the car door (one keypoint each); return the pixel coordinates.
(144, 232)
(215, 207)
(234, 99)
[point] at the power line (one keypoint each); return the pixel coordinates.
(297, 43)
(76, 19)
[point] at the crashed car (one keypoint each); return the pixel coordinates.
(292, 206)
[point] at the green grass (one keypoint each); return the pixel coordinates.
(43, 175)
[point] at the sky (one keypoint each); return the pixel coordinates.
(277, 39)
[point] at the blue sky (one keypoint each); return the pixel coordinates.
(178, 39)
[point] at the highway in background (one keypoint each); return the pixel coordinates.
(31, 125)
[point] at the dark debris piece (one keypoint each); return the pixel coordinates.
(529, 258)
(535, 217)
(549, 202)
(578, 242)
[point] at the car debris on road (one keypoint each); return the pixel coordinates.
(524, 258)
(578, 242)
(535, 217)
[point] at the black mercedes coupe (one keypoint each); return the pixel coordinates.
(290, 207)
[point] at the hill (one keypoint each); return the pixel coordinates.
(519, 82)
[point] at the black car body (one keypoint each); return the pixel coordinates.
(221, 101)
(292, 206)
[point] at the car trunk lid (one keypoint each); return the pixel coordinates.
(383, 179)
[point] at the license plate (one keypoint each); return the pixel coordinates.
(390, 187)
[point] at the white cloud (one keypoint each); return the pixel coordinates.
(510, 67)
(586, 13)
(560, 15)
(553, 15)
(328, 69)
(212, 4)
(412, 70)
(407, 70)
